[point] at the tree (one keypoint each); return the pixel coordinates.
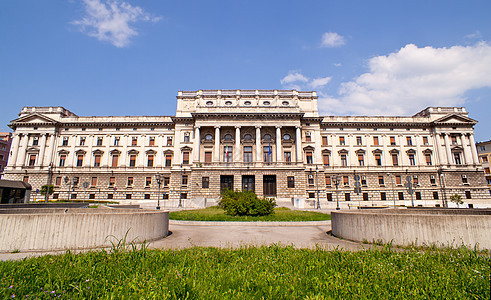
(46, 190)
(457, 199)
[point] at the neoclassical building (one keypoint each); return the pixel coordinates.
(270, 141)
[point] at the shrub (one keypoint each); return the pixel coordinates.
(246, 203)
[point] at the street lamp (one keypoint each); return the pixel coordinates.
(158, 178)
(393, 193)
(67, 182)
(335, 179)
(442, 186)
(317, 187)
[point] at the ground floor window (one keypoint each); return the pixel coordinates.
(401, 195)
(205, 182)
(383, 196)
(110, 196)
(291, 182)
(329, 196)
(468, 195)
(128, 196)
(311, 195)
(91, 196)
(365, 196)
(147, 196)
(418, 195)
(184, 195)
(347, 196)
(55, 196)
(435, 195)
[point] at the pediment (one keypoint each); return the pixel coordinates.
(34, 118)
(455, 119)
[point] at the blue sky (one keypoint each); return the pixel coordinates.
(98, 57)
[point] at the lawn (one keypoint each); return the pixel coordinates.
(272, 272)
(215, 213)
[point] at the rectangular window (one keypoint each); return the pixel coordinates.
(205, 182)
(359, 141)
(130, 182)
(392, 140)
(409, 141)
(169, 141)
(148, 181)
(35, 141)
(432, 180)
(375, 141)
(325, 158)
(425, 140)
(428, 159)
(165, 196)
(415, 180)
(150, 160)
(464, 179)
(484, 159)
(56, 196)
(93, 182)
(184, 180)
(308, 138)
(329, 196)
(468, 195)
(166, 181)
(110, 196)
(151, 141)
(32, 160)
(383, 196)
(99, 141)
(267, 153)
(208, 156)
(116, 141)
(341, 141)
(418, 195)
(58, 181)
(168, 160)
(454, 139)
(378, 159)
(398, 180)
(435, 195)
(288, 156)
(62, 160)
(112, 181)
(147, 196)
(328, 180)
(97, 160)
(247, 154)
(457, 158)
(365, 196)
(186, 137)
(347, 197)
(132, 160)
(361, 160)
(381, 180)
(311, 179)
(26, 179)
(115, 160)
(346, 180)
(185, 158)
(73, 196)
(401, 195)
(290, 182)
(486, 170)
(412, 162)
(134, 141)
(344, 161)
(324, 141)
(184, 195)
(128, 196)
(309, 158)
(395, 160)
(227, 154)
(65, 141)
(80, 160)
(363, 181)
(76, 181)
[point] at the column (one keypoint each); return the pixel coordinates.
(467, 155)
(123, 157)
(89, 155)
(317, 144)
(448, 151)
(21, 159)
(42, 148)
(258, 143)
(51, 149)
(107, 154)
(472, 142)
(278, 144)
(15, 149)
(298, 144)
(216, 152)
(438, 145)
(196, 146)
(237, 156)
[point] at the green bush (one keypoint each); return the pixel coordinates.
(246, 203)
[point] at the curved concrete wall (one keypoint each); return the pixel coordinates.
(419, 227)
(57, 229)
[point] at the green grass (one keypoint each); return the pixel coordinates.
(273, 272)
(215, 213)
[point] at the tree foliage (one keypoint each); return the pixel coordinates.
(457, 199)
(47, 189)
(246, 203)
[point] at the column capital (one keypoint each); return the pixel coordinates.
(238, 126)
(217, 126)
(278, 126)
(258, 126)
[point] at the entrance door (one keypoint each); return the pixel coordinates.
(248, 183)
(226, 182)
(269, 184)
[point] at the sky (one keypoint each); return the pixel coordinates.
(131, 57)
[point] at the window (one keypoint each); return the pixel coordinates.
(99, 141)
(209, 102)
(381, 180)
(311, 195)
(346, 180)
(454, 139)
(425, 140)
(392, 140)
(132, 160)
(208, 137)
(267, 154)
(205, 182)
(328, 180)
(128, 196)
(464, 179)
(166, 181)
(56, 196)
(363, 180)
(35, 141)
(418, 195)
(398, 180)
(308, 138)
(147, 196)
(110, 196)
(65, 141)
(26, 179)
(365, 196)
(288, 156)
(329, 196)
(484, 159)
(378, 159)
(344, 161)
(359, 141)
(432, 180)
(290, 182)
(285, 103)
(468, 195)
(134, 141)
(325, 159)
(375, 140)
(97, 160)
(208, 156)
(412, 162)
(266, 137)
(184, 180)
(342, 141)
(168, 160)
(80, 160)
(435, 195)
(482, 148)
(73, 196)
(76, 181)
(93, 182)
(62, 160)
(395, 160)
(347, 197)
(310, 179)
(457, 158)
(186, 137)
(361, 160)
(185, 158)
(115, 160)
(165, 196)
(227, 153)
(58, 181)
(116, 141)
(150, 160)
(148, 182)
(309, 158)
(266, 103)
(112, 181)
(248, 137)
(409, 141)
(401, 195)
(169, 141)
(130, 182)
(486, 170)
(428, 159)
(415, 181)
(383, 196)
(324, 141)
(151, 141)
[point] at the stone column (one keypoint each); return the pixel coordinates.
(107, 157)
(21, 160)
(196, 146)
(42, 148)
(448, 151)
(298, 144)
(237, 156)
(15, 149)
(472, 142)
(317, 144)
(123, 157)
(216, 156)
(467, 155)
(278, 144)
(438, 145)
(258, 143)
(89, 155)
(51, 149)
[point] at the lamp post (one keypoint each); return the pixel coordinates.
(158, 178)
(317, 187)
(393, 193)
(180, 188)
(67, 182)
(50, 176)
(335, 179)
(442, 187)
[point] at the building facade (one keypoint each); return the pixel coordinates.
(270, 141)
(484, 152)
(5, 140)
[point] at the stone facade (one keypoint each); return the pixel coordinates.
(271, 141)
(5, 140)
(484, 151)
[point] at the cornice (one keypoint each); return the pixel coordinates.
(377, 124)
(240, 115)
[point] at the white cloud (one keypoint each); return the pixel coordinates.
(476, 35)
(332, 40)
(413, 78)
(297, 81)
(110, 20)
(293, 76)
(319, 82)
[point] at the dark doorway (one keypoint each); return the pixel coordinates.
(248, 183)
(269, 185)
(226, 182)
